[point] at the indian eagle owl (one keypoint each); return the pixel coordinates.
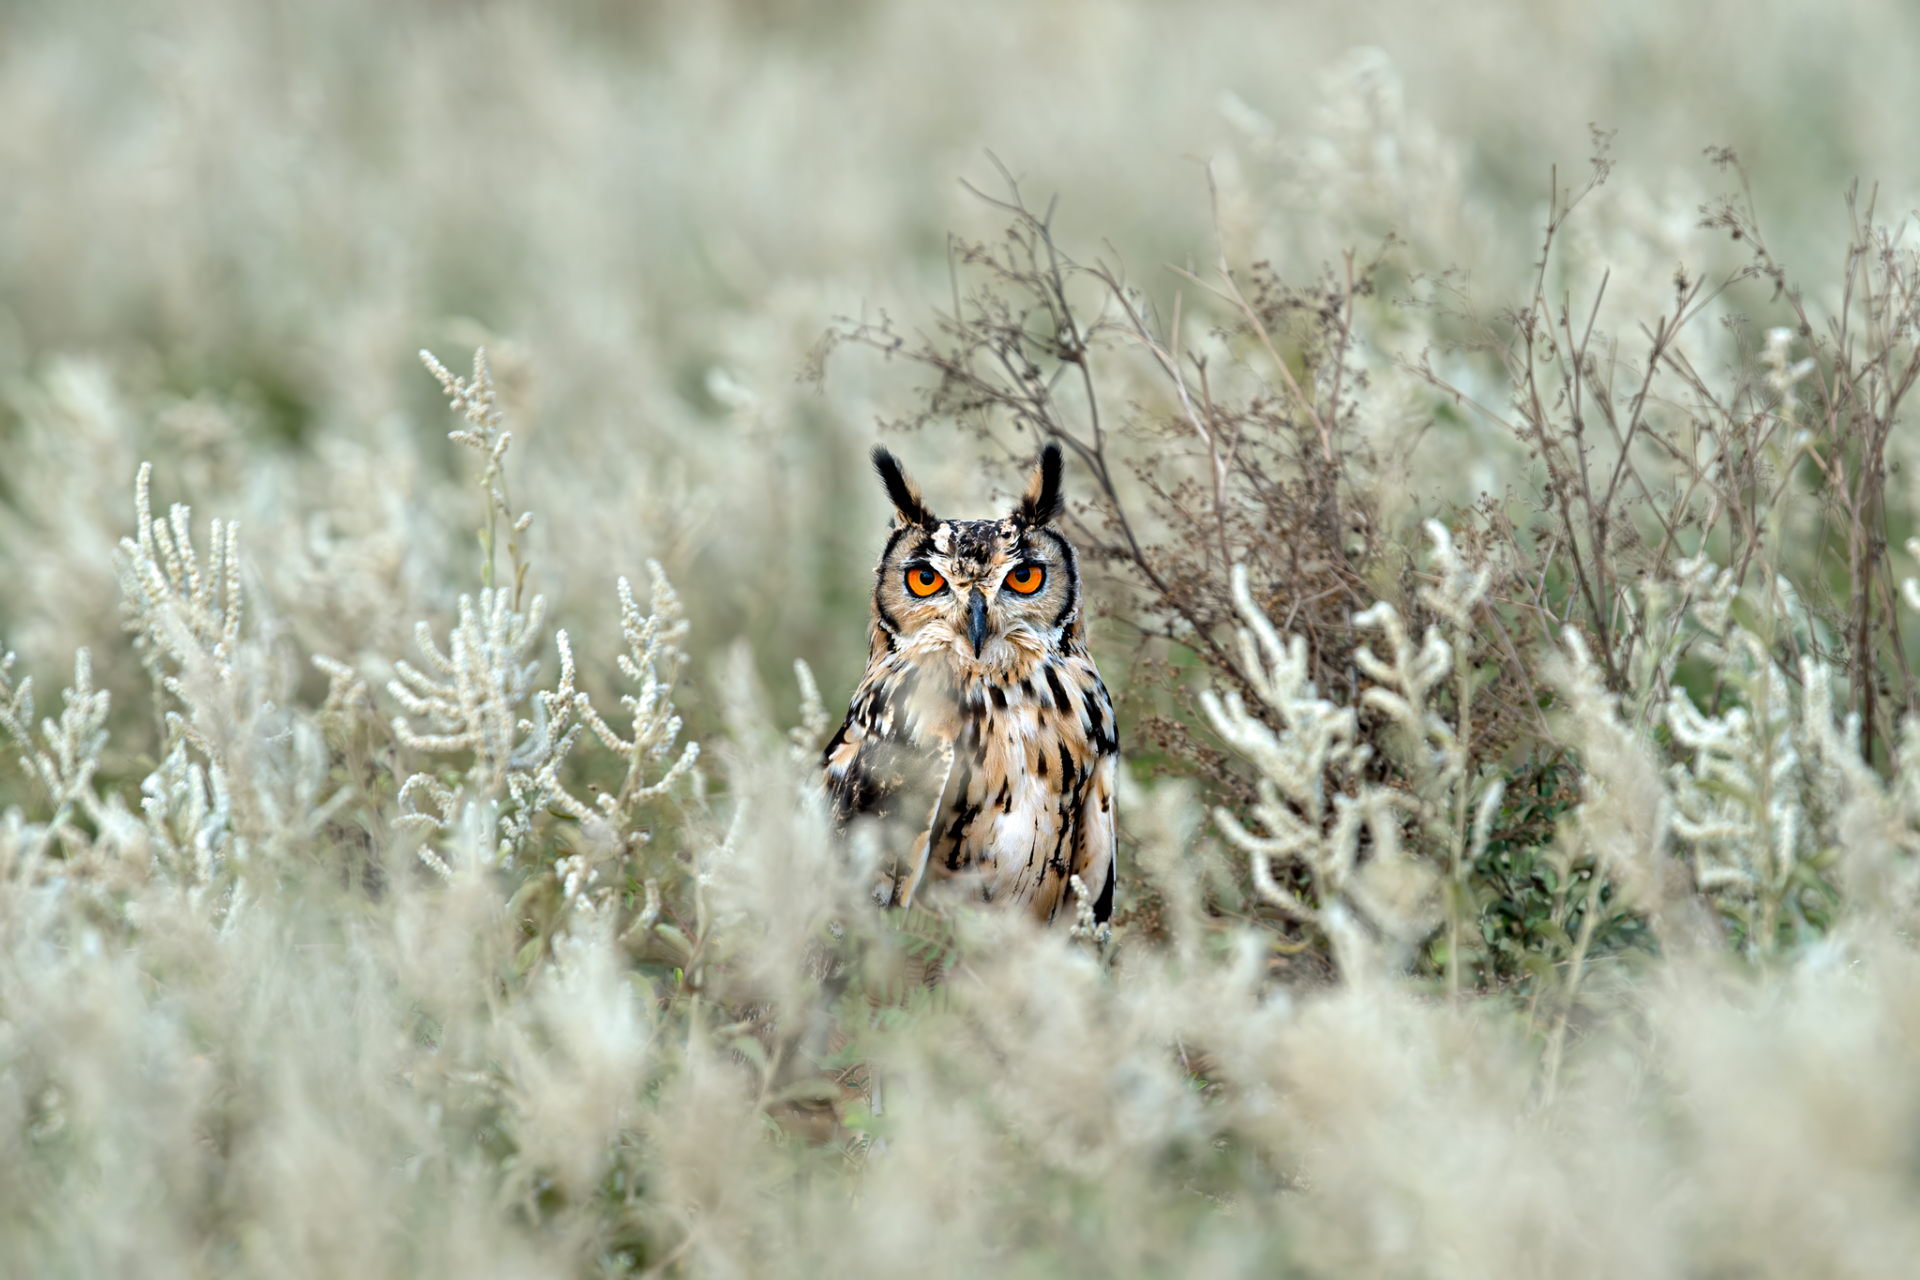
(981, 739)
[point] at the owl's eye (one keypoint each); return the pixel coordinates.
(923, 581)
(1027, 578)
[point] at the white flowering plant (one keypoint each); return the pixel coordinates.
(1520, 793)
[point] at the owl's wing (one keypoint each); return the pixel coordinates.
(1081, 833)
(1099, 860)
(874, 771)
(867, 763)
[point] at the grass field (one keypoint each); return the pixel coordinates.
(1488, 447)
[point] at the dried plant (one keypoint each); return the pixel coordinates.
(1211, 456)
(1317, 803)
(1777, 467)
(652, 662)
(68, 754)
(1614, 833)
(469, 695)
(474, 399)
(1236, 471)
(179, 612)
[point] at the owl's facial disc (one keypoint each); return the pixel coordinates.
(982, 595)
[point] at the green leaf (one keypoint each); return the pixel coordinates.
(674, 939)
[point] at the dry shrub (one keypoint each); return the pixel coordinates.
(1543, 902)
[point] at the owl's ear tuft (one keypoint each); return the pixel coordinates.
(901, 489)
(1041, 501)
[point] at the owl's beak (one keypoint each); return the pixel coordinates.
(976, 619)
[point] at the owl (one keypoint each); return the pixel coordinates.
(980, 743)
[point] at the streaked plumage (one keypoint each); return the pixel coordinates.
(981, 740)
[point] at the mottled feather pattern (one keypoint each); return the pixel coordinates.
(981, 739)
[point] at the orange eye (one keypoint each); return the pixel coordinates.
(1026, 578)
(924, 581)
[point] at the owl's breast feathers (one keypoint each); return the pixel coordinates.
(999, 781)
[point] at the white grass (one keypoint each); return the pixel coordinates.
(346, 930)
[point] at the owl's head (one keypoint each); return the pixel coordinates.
(993, 595)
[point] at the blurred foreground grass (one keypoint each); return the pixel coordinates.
(261, 1013)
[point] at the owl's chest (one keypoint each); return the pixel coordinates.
(1022, 756)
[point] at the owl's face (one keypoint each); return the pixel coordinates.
(990, 595)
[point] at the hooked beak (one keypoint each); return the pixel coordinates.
(976, 619)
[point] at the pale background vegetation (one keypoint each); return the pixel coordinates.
(260, 1013)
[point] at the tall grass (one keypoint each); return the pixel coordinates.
(410, 855)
